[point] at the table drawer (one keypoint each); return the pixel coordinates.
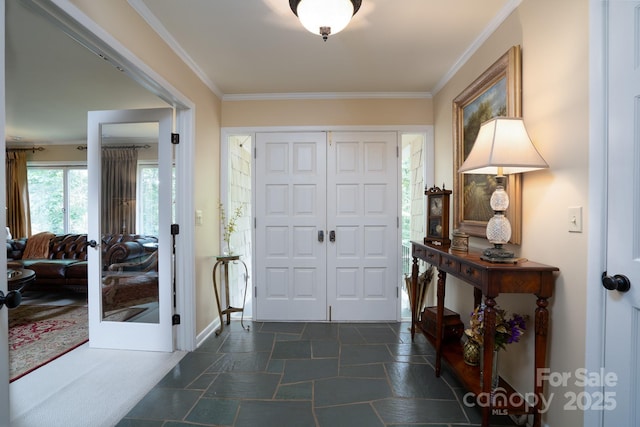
(449, 264)
(432, 257)
(471, 273)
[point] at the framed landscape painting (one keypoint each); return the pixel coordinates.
(495, 93)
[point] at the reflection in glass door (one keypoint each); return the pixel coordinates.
(130, 208)
(129, 218)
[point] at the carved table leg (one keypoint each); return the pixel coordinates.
(477, 297)
(541, 329)
(442, 280)
(488, 344)
(414, 296)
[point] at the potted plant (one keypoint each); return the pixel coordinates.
(229, 226)
(508, 330)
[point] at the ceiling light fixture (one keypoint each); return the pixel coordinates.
(325, 17)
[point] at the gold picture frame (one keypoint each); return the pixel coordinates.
(497, 92)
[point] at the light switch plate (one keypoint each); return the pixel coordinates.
(574, 219)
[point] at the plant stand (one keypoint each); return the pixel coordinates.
(224, 261)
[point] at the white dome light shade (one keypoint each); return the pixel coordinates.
(325, 17)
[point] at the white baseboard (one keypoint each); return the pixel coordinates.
(206, 333)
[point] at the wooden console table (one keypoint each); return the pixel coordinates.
(490, 280)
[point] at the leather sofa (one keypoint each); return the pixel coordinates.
(65, 269)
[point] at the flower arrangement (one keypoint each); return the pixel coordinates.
(230, 225)
(508, 329)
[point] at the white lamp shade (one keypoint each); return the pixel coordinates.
(503, 145)
(335, 14)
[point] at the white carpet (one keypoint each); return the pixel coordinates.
(87, 387)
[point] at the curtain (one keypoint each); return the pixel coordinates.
(18, 216)
(119, 168)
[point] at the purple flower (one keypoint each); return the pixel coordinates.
(508, 330)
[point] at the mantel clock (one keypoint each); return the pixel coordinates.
(437, 216)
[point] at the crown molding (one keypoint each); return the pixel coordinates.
(504, 13)
(161, 30)
(325, 95)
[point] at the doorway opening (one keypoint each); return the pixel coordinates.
(416, 173)
(160, 94)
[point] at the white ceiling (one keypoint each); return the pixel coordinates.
(259, 46)
(242, 49)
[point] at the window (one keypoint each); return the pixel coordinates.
(58, 199)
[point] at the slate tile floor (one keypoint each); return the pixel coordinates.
(307, 374)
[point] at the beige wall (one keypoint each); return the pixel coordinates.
(554, 40)
(332, 112)
(123, 23)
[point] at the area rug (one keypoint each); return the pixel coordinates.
(39, 334)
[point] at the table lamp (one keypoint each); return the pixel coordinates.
(502, 147)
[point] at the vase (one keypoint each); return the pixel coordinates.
(227, 249)
(495, 377)
(471, 353)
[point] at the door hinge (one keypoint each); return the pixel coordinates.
(255, 152)
(397, 222)
(397, 292)
(175, 229)
(175, 319)
(255, 292)
(175, 138)
(255, 222)
(397, 151)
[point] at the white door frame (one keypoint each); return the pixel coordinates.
(226, 132)
(79, 26)
(596, 256)
(4, 316)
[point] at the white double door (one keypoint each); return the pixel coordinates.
(327, 226)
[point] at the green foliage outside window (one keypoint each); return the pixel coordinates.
(47, 199)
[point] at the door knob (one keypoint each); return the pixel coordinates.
(332, 236)
(11, 300)
(92, 243)
(618, 282)
(321, 236)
